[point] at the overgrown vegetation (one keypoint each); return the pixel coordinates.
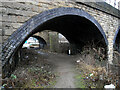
(92, 69)
(32, 72)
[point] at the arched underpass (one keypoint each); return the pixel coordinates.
(116, 57)
(35, 42)
(116, 40)
(116, 43)
(76, 25)
(42, 42)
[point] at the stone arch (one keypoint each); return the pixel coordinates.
(46, 21)
(116, 40)
(41, 41)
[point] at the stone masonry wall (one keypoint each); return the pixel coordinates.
(14, 14)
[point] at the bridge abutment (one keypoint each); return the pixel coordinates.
(14, 14)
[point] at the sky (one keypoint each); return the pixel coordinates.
(111, 2)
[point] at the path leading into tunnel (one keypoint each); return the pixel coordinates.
(65, 69)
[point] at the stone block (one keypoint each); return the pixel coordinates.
(1, 37)
(16, 12)
(29, 7)
(8, 32)
(2, 10)
(1, 33)
(0, 24)
(0, 4)
(4, 38)
(16, 25)
(0, 17)
(14, 30)
(14, 19)
(6, 18)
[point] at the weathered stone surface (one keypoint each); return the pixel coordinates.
(0, 16)
(0, 25)
(1, 37)
(4, 38)
(1, 32)
(13, 15)
(104, 7)
(14, 12)
(8, 32)
(14, 19)
(11, 25)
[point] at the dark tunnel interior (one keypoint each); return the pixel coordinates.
(117, 42)
(77, 30)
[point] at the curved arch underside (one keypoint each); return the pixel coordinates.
(42, 42)
(40, 39)
(116, 40)
(75, 24)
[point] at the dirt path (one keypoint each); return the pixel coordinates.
(65, 69)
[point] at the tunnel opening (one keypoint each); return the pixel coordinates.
(42, 42)
(77, 26)
(116, 55)
(48, 40)
(116, 46)
(79, 31)
(35, 42)
(31, 43)
(116, 40)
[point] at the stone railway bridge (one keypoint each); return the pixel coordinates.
(79, 22)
